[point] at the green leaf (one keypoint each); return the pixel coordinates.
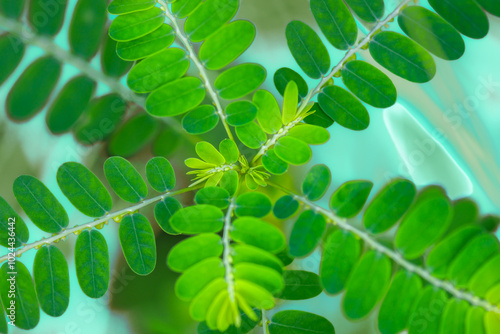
(83, 189)
(227, 44)
(465, 211)
(490, 5)
(138, 243)
(396, 308)
(100, 119)
(307, 49)
(255, 232)
(299, 285)
(200, 305)
(474, 323)
(285, 207)
(11, 52)
(209, 153)
(240, 113)
(268, 278)
(239, 80)
(12, 9)
(273, 164)
(486, 277)
(369, 84)
(316, 182)
(3, 320)
(196, 219)
(341, 252)
(160, 174)
(453, 318)
(10, 219)
(306, 233)
(125, 180)
(254, 295)
(402, 56)
(40, 205)
(344, 108)
(432, 32)
(299, 322)
(492, 322)
(369, 11)
(229, 150)
(229, 181)
(430, 298)
(389, 205)
(195, 278)
(147, 45)
(182, 8)
(133, 135)
(284, 75)
(193, 250)
(251, 135)
(69, 104)
(86, 27)
(290, 101)
(135, 25)
(32, 90)
(293, 150)
(157, 70)
(176, 97)
(268, 111)
(120, 7)
(246, 253)
(202, 23)
(164, 210)
(215, 196)
(252, 204)
(111, 64)
(92, 263)
(336, 22)
(423, 225)
(27, 316)
(319, 117)
(51, 275)
(367, 284)
(466, 16)
(310, 134)
(45, 17)
(200, 120)
(348, 200)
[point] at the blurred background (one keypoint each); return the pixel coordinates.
(443, 132)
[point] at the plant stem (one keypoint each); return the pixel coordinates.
(325, 79)
(396, 257)
(201, 69)
(227, 260)
(79, 228)
(265, 330)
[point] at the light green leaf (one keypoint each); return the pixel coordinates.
(83, 189)
(239, 80)
(209, 153)
(474, 323)
(307, 49)
(120, 7)
(51, 275)
(290, 101)
(147, 45)
(268, 111)
(229, 150)
(10, 219)
(306, 233)
(195, 278)
(310, 134)
(215, 196)
(125, 180)
(160, 174)
(138, 243)
(198, 219)
(486, 277)
(316, 182)
(40, 205)
(268, 278)
(344, 108)
(254, 295)
(465, 211)
(182, 8)
(200, 305)
(299, 322)
(285, 207)
(193, 250)
(492, 322)
(252, 204)
(257, 233)
(135, 25)
(293, 150)
(429, 298)
(348, 200)
(369, 11)
(284, 75)
(251, 135)
(164, 210)
(273, 164)
(336, 22)
(229, 181)
(133, 135)
(202, 23)
(246, 253)
(240, 113)
(299, 285)
(200, 120)
(453, 319)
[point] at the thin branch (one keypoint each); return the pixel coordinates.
(227, 260)
(325, 79)
(396, 257)
(265, 321)
(79, 228)
(201, 69)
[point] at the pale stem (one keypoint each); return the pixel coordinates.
(265, 321)
(226, 256)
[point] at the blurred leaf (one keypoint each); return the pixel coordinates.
(9, 217)
(200, 120)
(182, 8)
(12, 9)
(252, 204)
(429, 298)
(202, 23)
(257, 233)
(306, 233)
(87, 27)
(195, 278)
(336, 22)
(299, 285)
(273, 164)
(268, 278)
(133, 135)
(285, 207)
(135, 25)
(369, 11)
(251, 135)
(120, 7)
(268, 113)
(229, 150)
(215, 196)
(46, 27)
(11, 51)
(299, 322)
(348, 200)
(246, 253)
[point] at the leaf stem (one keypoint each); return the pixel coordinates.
(393, 255)
(201, 69)
(325, 79)
(227, 260)
(79, 228)
(265, 322)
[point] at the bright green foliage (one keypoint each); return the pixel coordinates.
(229, 151)
(344, 108)
(40, 204)
(486, 277)
(193, 250)
(196, 219)
(491, 6)
(135, 25)
(465, 211)
(200, 120)
(11, 52)
(215, 196)
(257, 233)
(160, 174)
(227, 44)
(307, 49)
(92, 263)
(83, 189)
(284, 75)
(273, 164)
(246, 253)
(300, 284)
(290, 101)
(306, 233)
(310, 134)
(268, 113)
(369, 11)
(428, 297)
(316, 182)
(336, 22)
(299, 322)
(369, 84)
(119, 7)
(402, 56)
(12, 9)
(133, 135)
(453, 319)
(444, 42)
(285, 207)
(32, 89)
(70, 104)
(492, 322)
(86, 27)
(138, 243)
(28, 316)
(465, 15)
(239, 81)
(252, 204)
(202, 23)
(182, 8)
(240, 113)
(51, 275)
(264, 276)
(164, 210)
(147, 45)
(209, 153)
(195, 278)
(348, 200)
(293, 151)
(251, 135)
(474, 323)
(319, 117)
(48, 27)
(9, 217)
(125, 180)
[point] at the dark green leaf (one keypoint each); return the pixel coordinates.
(147, 45)
(348, 200)
(336, 22)
(319, 117)
(135, 25)
(200, 120)
(193, 250)
(120, 7)
(299, 322)
(316, 182)
(164, 210)
(240, 80)
(257, 233)
(369, 11)
(492, 6)
(420, 321)
(9, 220)
(300, 284)
(344, 108)
(87, 27)
(215, 196)
(251, 135)
(11, 52)
(46, 17)
(306, 233)
(252, 204)
(465, 211)
(273, 164)
(12, 9)
(133, 135)
(160, 174)
(293, 150)
(138, 243)
(197, 219)
(166, 142)
(202, 23)
(285, 207)
(240, 113)
(125, 180)
(284, 75)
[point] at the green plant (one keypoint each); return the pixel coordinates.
(437, 273)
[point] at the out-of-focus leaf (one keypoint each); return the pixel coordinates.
(200, 120)
(306, 233)
(133, 135)
(336, 22)
(299, 322)
(87, 27)
(348, 200)
(135, 25)
(251, 135)
(202, 23)
(299, 285)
